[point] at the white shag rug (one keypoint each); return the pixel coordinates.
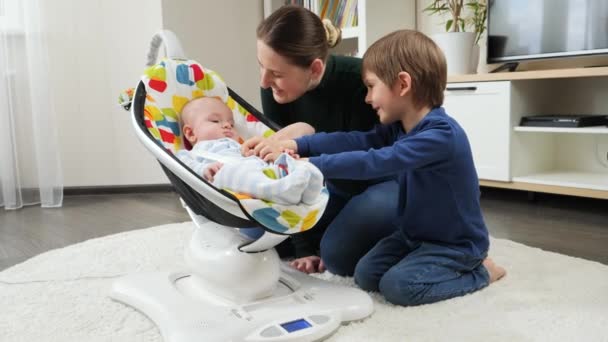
(62, 295)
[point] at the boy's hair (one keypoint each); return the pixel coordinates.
(412, 52)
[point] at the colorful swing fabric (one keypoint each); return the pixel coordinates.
(170, 84)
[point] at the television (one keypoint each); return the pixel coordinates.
(521, 30)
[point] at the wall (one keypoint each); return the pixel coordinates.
(97, 48)
(387, 16)
(221, 36)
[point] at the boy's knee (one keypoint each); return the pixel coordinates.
(401, 292)
(365, 277)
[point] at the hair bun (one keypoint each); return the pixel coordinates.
(333, 34)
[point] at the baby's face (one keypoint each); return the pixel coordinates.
(209, 118)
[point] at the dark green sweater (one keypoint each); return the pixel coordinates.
(336, 104)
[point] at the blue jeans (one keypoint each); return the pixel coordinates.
(410, 272)
(355, 223)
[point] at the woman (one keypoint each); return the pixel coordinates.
(301, 83)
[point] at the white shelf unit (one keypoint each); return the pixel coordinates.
(489, 135)
(350, 32)
(575, 179)
(572, 161)
(575, 130)
(375, 19)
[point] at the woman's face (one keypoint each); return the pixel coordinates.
(288, 81)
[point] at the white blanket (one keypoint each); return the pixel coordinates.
(286, 181)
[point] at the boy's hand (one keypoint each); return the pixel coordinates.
(291, 153)
(212, 170)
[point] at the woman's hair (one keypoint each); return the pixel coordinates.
(298, 35)
(414, 53)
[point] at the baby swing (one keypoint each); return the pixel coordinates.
(234, 289)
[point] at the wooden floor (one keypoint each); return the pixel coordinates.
(33, 230)
(568, 225)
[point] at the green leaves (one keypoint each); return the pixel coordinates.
(437, 6)
(475, 21)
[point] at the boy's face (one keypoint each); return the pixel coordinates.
(385, 100)
(208, 118)
(287, 81)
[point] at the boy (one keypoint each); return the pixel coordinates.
(207, 123)
(439, 250)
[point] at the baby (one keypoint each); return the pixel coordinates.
(208, 124)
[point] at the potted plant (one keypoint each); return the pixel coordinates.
(464, 28)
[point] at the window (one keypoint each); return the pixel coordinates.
(10, 19)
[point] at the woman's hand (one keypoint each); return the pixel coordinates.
(309, 264)
(247, 148)
(212, 170)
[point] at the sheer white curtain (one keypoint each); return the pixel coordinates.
(30, 169)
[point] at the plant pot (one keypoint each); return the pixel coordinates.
(461, 53)
(475, 52)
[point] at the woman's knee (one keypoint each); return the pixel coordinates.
(336, 258)
(366, 210)
(366, 276)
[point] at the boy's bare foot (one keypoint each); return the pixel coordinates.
(496, 272)
(309, 264)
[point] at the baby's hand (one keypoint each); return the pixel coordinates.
(212, 170)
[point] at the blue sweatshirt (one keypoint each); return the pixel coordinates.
(438, 184)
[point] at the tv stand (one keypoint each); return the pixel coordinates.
(507, 66)
(567, 161)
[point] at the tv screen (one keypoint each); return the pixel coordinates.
(531, 29)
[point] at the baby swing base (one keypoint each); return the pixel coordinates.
(229, 295)
(301, 309)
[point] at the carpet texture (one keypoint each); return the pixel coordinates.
(62, 295)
